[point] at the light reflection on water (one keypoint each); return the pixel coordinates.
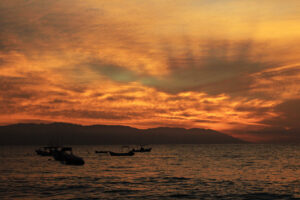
(168, 172)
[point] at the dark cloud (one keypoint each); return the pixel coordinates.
(2, 62)
(8, 106)
(88, 114)
(282, 128)
(288, 115)
(35, 28)
(211, 71)
(14, 87)
(254, 111)
(278, 82)
(120, 98)
(114, 72)
(206, 121)
(61, 101)
(97, 94)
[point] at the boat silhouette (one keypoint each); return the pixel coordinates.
(46, 151)
(101, 151)
(130, 153)
(65, 155)
(142, 149)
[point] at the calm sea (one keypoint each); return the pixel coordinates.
(168, 172)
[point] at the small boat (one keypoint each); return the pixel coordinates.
(66, 156)
(101, 151)
(58, 155)
(130, 153)
(46, 151)
(142, 149)
(71, 159)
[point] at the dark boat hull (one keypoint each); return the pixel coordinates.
(130, 153)
(70, 159)
(59, 156)
(67, 158)
(43, 153)
(101, 151)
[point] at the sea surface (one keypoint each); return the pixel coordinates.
(244, 171)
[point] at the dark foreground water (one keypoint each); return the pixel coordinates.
(168, 172)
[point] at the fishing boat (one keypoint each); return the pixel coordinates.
(142, 149)
(130, 153)
(71, 159)
(101, 151)
(66, 156)
(46, 151)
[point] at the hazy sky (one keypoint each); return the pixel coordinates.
(229, 65)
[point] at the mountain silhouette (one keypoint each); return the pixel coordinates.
(65, 133)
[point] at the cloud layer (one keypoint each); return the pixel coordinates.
(230, 66)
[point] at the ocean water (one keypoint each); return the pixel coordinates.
(168, 172)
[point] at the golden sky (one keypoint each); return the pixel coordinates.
(226, 65)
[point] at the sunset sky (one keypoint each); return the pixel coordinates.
(232, 66)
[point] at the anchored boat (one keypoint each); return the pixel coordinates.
(142, 149)
(130, 153)
(101, 151)
(66, 156)
(46, 151)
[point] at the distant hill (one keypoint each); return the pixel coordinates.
(39, 134)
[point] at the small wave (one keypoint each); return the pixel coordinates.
(118, 182)
(263, 196)
(77, 187)
(122, 191)
(176, 178)
(184, 196)
(121, 167)
(148, 180)
(173, 180)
